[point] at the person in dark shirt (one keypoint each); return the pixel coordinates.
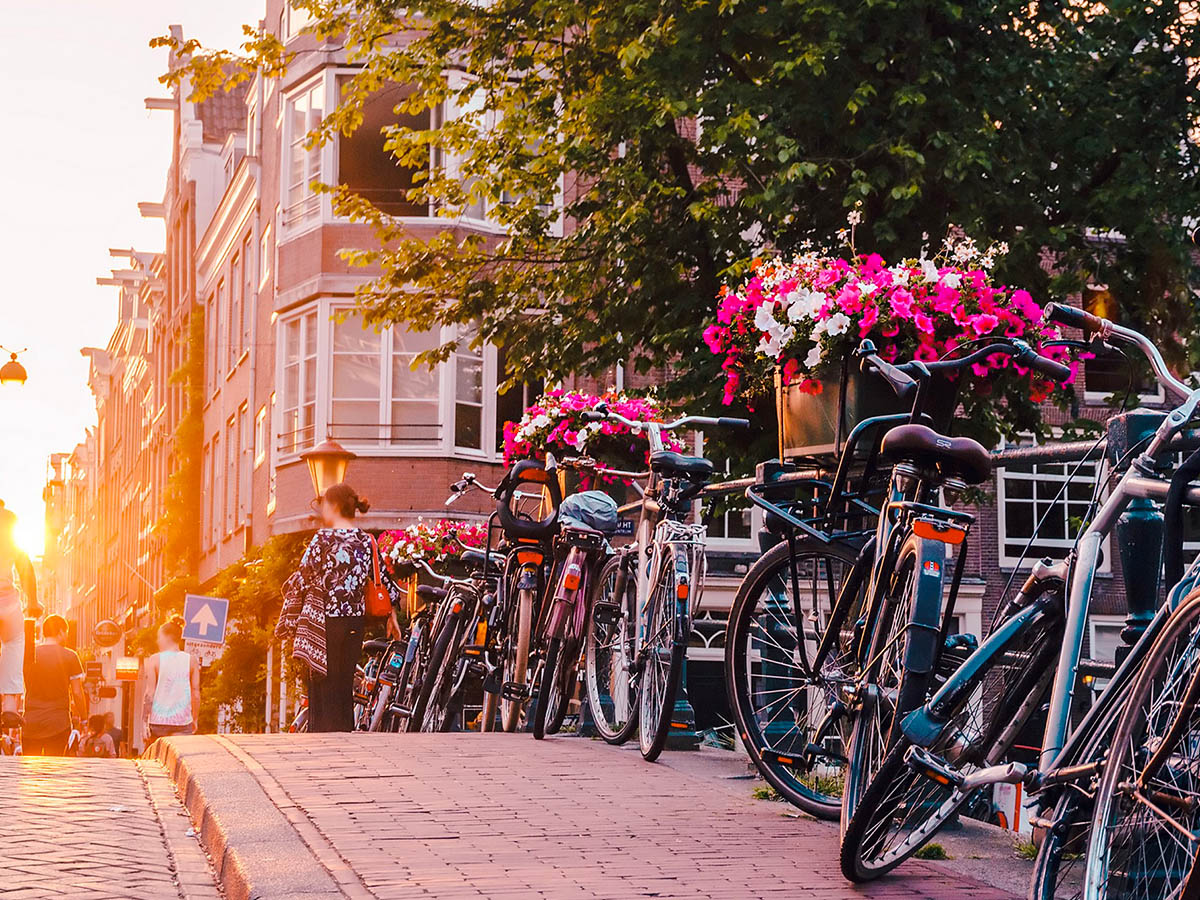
(54, 685)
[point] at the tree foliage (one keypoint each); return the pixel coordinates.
(676, 140)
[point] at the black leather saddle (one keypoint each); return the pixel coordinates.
(668, 462)
(952, 457)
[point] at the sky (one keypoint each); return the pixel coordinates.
(79, 151)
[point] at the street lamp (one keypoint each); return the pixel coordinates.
(12, 372)
(327, 464)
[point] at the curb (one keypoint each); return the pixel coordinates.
(255, 851)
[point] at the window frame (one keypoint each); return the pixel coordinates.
(1007, 562)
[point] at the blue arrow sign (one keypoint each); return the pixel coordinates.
(204, 618)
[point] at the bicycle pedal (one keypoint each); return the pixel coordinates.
(399, 711)
(514, 691)
(476, 667)
(491, 683)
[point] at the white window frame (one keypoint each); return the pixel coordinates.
(309, 318)
(721, 542)
(262, 435)
(294, 224)
(1101, 619)
(325, 308)
(1010, 562)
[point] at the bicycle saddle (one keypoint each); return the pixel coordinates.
(375, 645)
(428, 592)
(960, 456)
(475, 559)
(667, 462)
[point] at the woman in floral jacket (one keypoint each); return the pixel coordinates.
(323, 606)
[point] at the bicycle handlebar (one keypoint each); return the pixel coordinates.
(904, 377)
(1074, 317)
(602, 414)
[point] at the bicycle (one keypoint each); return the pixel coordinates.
(953, 744)
(645, 595)
(838, 629)
(528, 519)
(586, 521)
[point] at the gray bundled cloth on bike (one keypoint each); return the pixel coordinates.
(589, 509)
(303, 619)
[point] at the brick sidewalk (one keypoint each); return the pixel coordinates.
(95, 829)
(452, 816)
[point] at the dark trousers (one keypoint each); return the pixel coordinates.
(331, 698)
(54, 745)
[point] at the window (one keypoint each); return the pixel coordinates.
(262, 431)
(1111, 373)
(214, 491)
(295, 20)
(245, 445)
(366, 167)
(414, 391)
(264, 256)
(511, 405)
(271, 460)
(354, 411)
(232, 481)
(468, 395)
(298, 426)
(1026, 493)
(304, 113)
(236, 311)
(1105, 636)
(222, 334)
(248, 300)
(210, 344)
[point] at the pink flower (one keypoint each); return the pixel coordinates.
(926, 352)
(902, 301)
(923, 322)
(983, 323)
(869, 317)
(790, 368)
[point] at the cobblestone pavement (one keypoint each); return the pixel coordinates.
(452, 816)
(95, 829)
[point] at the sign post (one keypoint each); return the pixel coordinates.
(204, 621)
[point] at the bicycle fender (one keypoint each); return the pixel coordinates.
(925, 626)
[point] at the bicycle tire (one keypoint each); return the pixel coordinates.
(1028, 663)
(660, 684)
(433, 669)
(549, 672)
(758, 699)
(1150, 779)
(516, 660)
(487, 712)
(379, 706)
(568, 667)
(1055, 872)
(609, 675)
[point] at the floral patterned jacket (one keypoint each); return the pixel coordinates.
(330, 583)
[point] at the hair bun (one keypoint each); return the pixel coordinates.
(176, 619)
(362, 504)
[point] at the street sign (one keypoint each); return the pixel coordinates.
(205, 652)
(204, 618)
(107, 633)
(626, 527)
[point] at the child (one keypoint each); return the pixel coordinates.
(97, 742)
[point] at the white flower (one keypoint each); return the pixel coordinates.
(854, 217)
(867, 288)
(836, 324)
(806, 305)
(952, 280)
(929, 270)
(899, 275)
(814, 357)
(764, 316)
(776, 339)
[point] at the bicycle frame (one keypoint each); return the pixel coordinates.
(1060, 745)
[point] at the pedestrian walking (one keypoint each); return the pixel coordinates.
(97, 742)
(54, 691)
(172, 701)
(16, 579)
(324, 603)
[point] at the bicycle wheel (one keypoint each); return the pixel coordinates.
(901, 809)
(564, 686)
(1147, 814)
(548, 695)
(516, 661)
(662, 655)
(1057, 873)
(786, 714)
(435, 671)
(612, 683)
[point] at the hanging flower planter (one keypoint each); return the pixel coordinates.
(793, 325)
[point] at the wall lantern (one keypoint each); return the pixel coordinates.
(12, 372)
(327, 464)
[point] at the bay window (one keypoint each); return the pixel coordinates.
(304, 112)
(299, 407)
(365, 389)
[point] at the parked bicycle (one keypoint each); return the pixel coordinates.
(646, 594)
(957, 742)
(838, 630)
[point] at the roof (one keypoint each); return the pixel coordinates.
(223, 113)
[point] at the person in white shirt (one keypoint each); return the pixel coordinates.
(172, 702)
